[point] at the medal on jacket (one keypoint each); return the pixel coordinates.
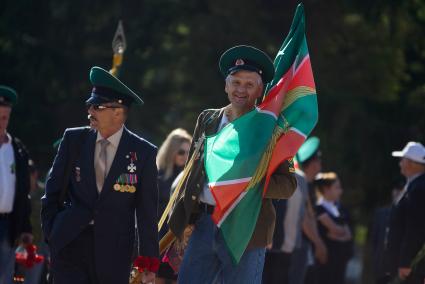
(77, 174)
(133, 158)
(131, 168)
(125, 183)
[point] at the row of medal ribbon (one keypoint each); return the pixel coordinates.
(125, 183)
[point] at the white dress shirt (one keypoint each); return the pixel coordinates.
(7, 176)
(111, 150)
(329, 206)
(403, 192)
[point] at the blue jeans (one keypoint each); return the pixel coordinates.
(7, 254)
(207, 260)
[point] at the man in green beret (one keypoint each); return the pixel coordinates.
(110, 175)
(246, 70)
(310, 164)
(15, 205)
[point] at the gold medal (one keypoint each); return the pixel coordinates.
(123, 188)
(132, 189)
(117, 187)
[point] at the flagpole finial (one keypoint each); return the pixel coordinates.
(119, 45)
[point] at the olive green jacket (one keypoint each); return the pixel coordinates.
(185, 210)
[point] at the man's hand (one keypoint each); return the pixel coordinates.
(148, 277)
(403, 272)
(320, 251)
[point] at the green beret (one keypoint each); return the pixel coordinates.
(244, 57)
(108, 89)
(308, 149)
(8, 96)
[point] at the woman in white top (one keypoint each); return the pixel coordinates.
(333, 227)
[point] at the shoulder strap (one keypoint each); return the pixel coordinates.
(75, 150)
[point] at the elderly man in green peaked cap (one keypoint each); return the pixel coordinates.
(15, 205)
(112, 183)
(246, 70)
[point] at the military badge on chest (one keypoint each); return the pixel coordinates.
(127, 182)
(77, 174)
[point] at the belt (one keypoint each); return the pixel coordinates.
(206, 208)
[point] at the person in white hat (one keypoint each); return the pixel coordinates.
(407, 230)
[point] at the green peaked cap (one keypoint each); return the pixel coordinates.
(245, 57)
(308, 149)
(107, 88)
(8, 96)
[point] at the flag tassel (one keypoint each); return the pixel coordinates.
(173, 197)
(261, 170)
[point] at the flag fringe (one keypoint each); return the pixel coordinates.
(173, 197)
(261, 170)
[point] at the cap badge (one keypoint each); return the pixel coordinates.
(120, 101)
(239, 62)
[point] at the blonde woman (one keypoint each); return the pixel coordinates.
(171, 158)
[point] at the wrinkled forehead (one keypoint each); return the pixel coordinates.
(247, 76)
(5, 109)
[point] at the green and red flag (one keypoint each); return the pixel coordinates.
(241, 157)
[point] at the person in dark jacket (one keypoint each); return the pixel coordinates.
(15, 207)
(333, 225)
(379, 234)
(112, 186)
(172, 156)
(407, 231)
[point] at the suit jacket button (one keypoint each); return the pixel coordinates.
(197, 185)
(193, 197)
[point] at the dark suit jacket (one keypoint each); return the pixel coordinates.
(113, 211)
(378, 239)
(20, 216)
(407, 229)
(282, 185)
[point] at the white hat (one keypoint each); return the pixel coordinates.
(414, 151)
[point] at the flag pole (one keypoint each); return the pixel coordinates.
(119, 45)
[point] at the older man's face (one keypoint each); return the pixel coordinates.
(102, 117)
(243, 89)
(4, 118)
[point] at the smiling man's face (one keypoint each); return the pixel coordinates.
(4, 118)
(243, 89)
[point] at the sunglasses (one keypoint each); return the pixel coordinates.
(100, 107)
(182, 152)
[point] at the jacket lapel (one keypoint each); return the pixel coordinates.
(212, 123)
(118, 165)
(87, 165)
